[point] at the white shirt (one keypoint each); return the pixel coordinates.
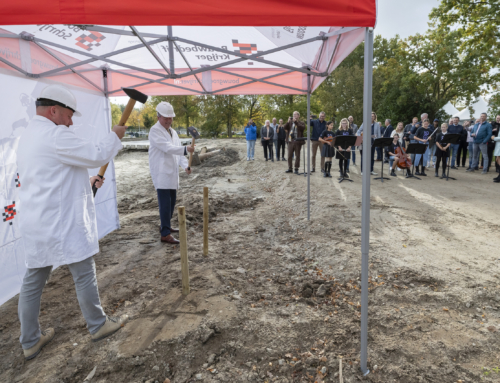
(166, 154)
(57, 216)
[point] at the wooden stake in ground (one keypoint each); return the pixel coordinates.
(341, 379)
(205, 221)
(184, 254)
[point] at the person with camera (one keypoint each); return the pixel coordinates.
(294, 129)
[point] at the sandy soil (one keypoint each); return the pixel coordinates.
(277, 299)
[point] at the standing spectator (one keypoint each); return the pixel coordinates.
(400, 132)
(481, 132)
(495, 127)
(354, 129)
(375, 133)
(422, 136)
(294, 129)
(470, 142)
(442, 151)
(266, 138)
(379, 151)
(274, 125)
(387, 134)
(432, 143)
(497, 154)
(462, 149)
(409, 132)
(251, 135)
(280, 130)
(318, 126)
(455, 128)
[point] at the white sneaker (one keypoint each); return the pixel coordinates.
(374, 174)
(248, 158)
(253, 159)
(112, 325)
(361, 173)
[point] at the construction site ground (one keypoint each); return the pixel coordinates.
(277, 299)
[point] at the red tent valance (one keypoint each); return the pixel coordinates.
(347, 13)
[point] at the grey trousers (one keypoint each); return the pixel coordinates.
(483, 148)
(84, 276)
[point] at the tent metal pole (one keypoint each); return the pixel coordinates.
(72, 70)
(190, 68)
(171, 50)
(153, 53)
(308, 147)
(15, 67)
(97, 58)
(105, 82)
(365, 206)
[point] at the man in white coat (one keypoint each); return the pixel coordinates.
(58, 218)
(166, 155)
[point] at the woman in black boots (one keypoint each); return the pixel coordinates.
(343, 154)
(442, 151)
(327, 151)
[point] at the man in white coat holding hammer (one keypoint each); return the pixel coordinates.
(166, 155)
(57, 217)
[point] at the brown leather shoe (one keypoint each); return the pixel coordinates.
(170, 239)
(172, 230)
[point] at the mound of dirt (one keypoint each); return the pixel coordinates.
(223, 158)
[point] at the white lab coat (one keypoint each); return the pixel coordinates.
(57, 216)
(166, 154)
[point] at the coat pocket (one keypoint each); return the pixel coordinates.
(84, 212)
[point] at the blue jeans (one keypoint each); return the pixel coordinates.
(353, 158)
(251, 149)
(166, 205)
(87, 293)
(471, 153)
(483, 148)
(275, 142)
(454, 148)
(419, 156)
(432, 153)
(391, 161)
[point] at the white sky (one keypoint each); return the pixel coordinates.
(395, 17)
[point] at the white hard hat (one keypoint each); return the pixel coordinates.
(165, 109)
(58, 95)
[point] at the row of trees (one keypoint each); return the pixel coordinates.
(455, 61)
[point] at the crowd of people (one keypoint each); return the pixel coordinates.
(476, 139)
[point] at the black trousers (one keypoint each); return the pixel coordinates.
(491, 148)
(462, 153)
(281, 148)
(343, 166)
(372, 158)
(442, 156)
(268, 145)
(166, 205)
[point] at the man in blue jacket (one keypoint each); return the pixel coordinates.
(318, 126)
(251, 134)
(481, 132)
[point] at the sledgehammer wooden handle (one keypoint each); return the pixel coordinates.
(126, 114)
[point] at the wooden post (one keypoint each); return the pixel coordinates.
(341, 378)
(205, 221)
(184, 254)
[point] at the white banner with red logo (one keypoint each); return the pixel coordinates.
(17, 97)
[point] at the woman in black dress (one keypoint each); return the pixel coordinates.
(442, 151)
(328, 150)
(343, 154)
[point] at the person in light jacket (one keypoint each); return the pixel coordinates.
(58, 217)
(251, 136)
(166, 155)
(374, 133)
(481, 132)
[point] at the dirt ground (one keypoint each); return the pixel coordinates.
(277, 299)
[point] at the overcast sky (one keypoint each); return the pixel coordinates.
(395, 17)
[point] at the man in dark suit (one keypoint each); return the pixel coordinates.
(266, 138)
(456, 128)
(294, 129)
(387, 134)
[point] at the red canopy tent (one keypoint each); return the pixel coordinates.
(108, 68)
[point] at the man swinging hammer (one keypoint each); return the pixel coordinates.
(58, 218)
